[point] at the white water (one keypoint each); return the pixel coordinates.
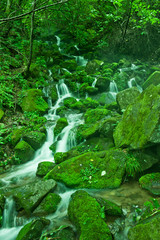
(94, 82)
(58, 43)
(113, 90)
(132, 83)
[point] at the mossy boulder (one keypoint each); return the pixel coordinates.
(44, 167)
(104, 98)
(102, 84)
(151, 182)
(110, 208)
(85, 213)
(127, 97)
(61, 111)
(35, 139)
(90, 103)
(61, 123)
(143, 231)
(33, 230)
(60, 157)
(91, 90)
(140, 126)
(53, 93)
(17, 135)
(28, 197)
(91, 170)
(48, 205)
(32, 101)
(154, 79)
(69, 101)
(24, 151)
(93, 66)
(93, 115)
(70, 65)
(1, 114)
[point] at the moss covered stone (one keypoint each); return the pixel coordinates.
(1, 114)
(60, 157)
(35, 139)
(103, 84)
(33, 101)
(91, 170)
(145, 231)
(93, 115)
(69, 101)
(33, 230)
(61, 123)
(154, 79)
(110, 208)
(24, 151)
(139, 126)
(53, 93)
(44, 168)
(151, 182)
(17, 135)
(93, 66)
(48, 205)
(126, 97)
(85, 213)
(64, 233)
(91, 90)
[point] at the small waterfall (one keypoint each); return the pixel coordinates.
(94, 82)
(63, 90)
(132, 83)
(113, 90)
(58, 43)
(81, 61)
(9, 214)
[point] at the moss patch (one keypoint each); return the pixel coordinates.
(24, 151)
(151, 182)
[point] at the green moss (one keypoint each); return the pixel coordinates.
(24, 151)
(91, 170)
(110, 208)
(60, 157)
(35, 139)
(151, 182)
(84, 211)
(93, 115)
(61, 111)
(145, 231)
(1, 114)
(154, 79)
(48, 205)
(61, 123)
(139, 125)
(44, 168)
(69, 101)
(33, 101)
(53, 93)
(17, 135)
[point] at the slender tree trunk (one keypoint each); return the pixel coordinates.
(127, 23)
(31, 36)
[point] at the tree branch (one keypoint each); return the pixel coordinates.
(27, 13)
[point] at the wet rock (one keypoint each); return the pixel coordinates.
(151, 182)
(103, 84)
(30, 196)
(91, 170)
(33, 230)
(69, 101)
(139, 126)
(1, 114)
(61, 123)
(110, 208)
(126, 97)
(34, 139)
(85, 212)
(145, 231)
(17, 135)
(32, 101)
(93, 66)
(44, 168)
(154, 79)
(24, 151)
(48, 205)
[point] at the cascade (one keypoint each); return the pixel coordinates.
(58, 43)
(94, 82)
(132, 83)
(113, 90)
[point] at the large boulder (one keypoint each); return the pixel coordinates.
(140, 126)
(143, 231)
(151, 182)
(1, 114)
(33, 230)
(127, 97)
(154, 79)
(34, 139)
(32, 100)
(91, 170)
(61, 123)
(48, 205)
(23, 151)
(30, 196)
(85, 212)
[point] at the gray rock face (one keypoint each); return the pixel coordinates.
(126, 97)
(29, 197)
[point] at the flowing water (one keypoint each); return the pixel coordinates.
(132, 83)
(113, 90)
